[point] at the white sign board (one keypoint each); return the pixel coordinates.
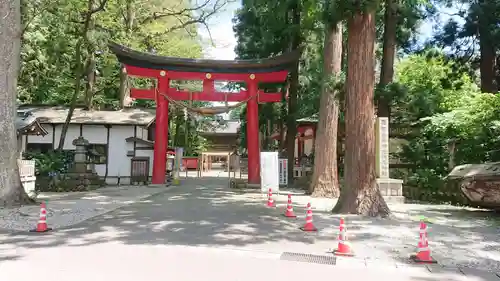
(179, 153)
(269, 171)
(283, 171)
(383, 147)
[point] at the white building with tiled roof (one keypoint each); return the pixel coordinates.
(121, 139)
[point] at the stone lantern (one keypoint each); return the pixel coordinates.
(80, 144)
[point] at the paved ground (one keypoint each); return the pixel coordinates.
(65, 209)
(203, 230)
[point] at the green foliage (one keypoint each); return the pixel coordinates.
(194, 144)
(343, 9)
(424, 88)
(444, 109)
(52, 29)
(52, 163)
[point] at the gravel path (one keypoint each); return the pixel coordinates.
(66, 209)
(458, 236)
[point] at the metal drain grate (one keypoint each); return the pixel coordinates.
(300, 257)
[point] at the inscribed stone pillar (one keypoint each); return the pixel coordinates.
(391, 189)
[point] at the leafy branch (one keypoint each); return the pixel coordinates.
(186, 17)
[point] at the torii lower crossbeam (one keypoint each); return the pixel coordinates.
(174, 94)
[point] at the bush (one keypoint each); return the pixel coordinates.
(52, 163)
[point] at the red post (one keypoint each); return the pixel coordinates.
(300, 145)
(161, 134)
(253, 142)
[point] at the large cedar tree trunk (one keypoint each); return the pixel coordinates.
(487, 63)
(91, 79)
(486, 22)
(291, 124)
(11, 189)
(178, 123)
(325, 181)
(388, 54)
(124, 91)
(360, 195)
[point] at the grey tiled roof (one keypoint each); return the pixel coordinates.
(27, 123)
(310, 119)
(227, 127)
(57, 115)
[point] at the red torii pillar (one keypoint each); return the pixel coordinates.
(253, 142)
(161, 131)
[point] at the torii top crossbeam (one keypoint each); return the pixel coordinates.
(269, 70)
(262, 66)
(165, 69)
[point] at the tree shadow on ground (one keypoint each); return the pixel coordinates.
(209, 214)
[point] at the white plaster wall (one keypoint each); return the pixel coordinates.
(42, 139)
(142, 133)
(73, 133)
(308, 146)
(118, 161)
(93, 133)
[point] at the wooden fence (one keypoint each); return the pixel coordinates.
(26, 168)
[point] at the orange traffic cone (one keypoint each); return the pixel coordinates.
(423, 253)
(41, 226)
(289, 208)
(270, 201)
(343, 248)
(309, 226)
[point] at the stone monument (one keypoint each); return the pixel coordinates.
(79, 177)
(391, 189)
(80, 164)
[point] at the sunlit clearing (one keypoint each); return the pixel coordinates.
(130, 222)
(104, 203)
(241, 227)
(162, 225)
(95, 197)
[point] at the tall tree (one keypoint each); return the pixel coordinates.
(93, 7)
(360, 195)
(481, 26)
(291, 122)
(128, 21)
(388, 54)
(11, 188)
(485, 15)
(325, 181)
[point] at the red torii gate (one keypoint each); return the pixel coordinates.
(164, 69)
